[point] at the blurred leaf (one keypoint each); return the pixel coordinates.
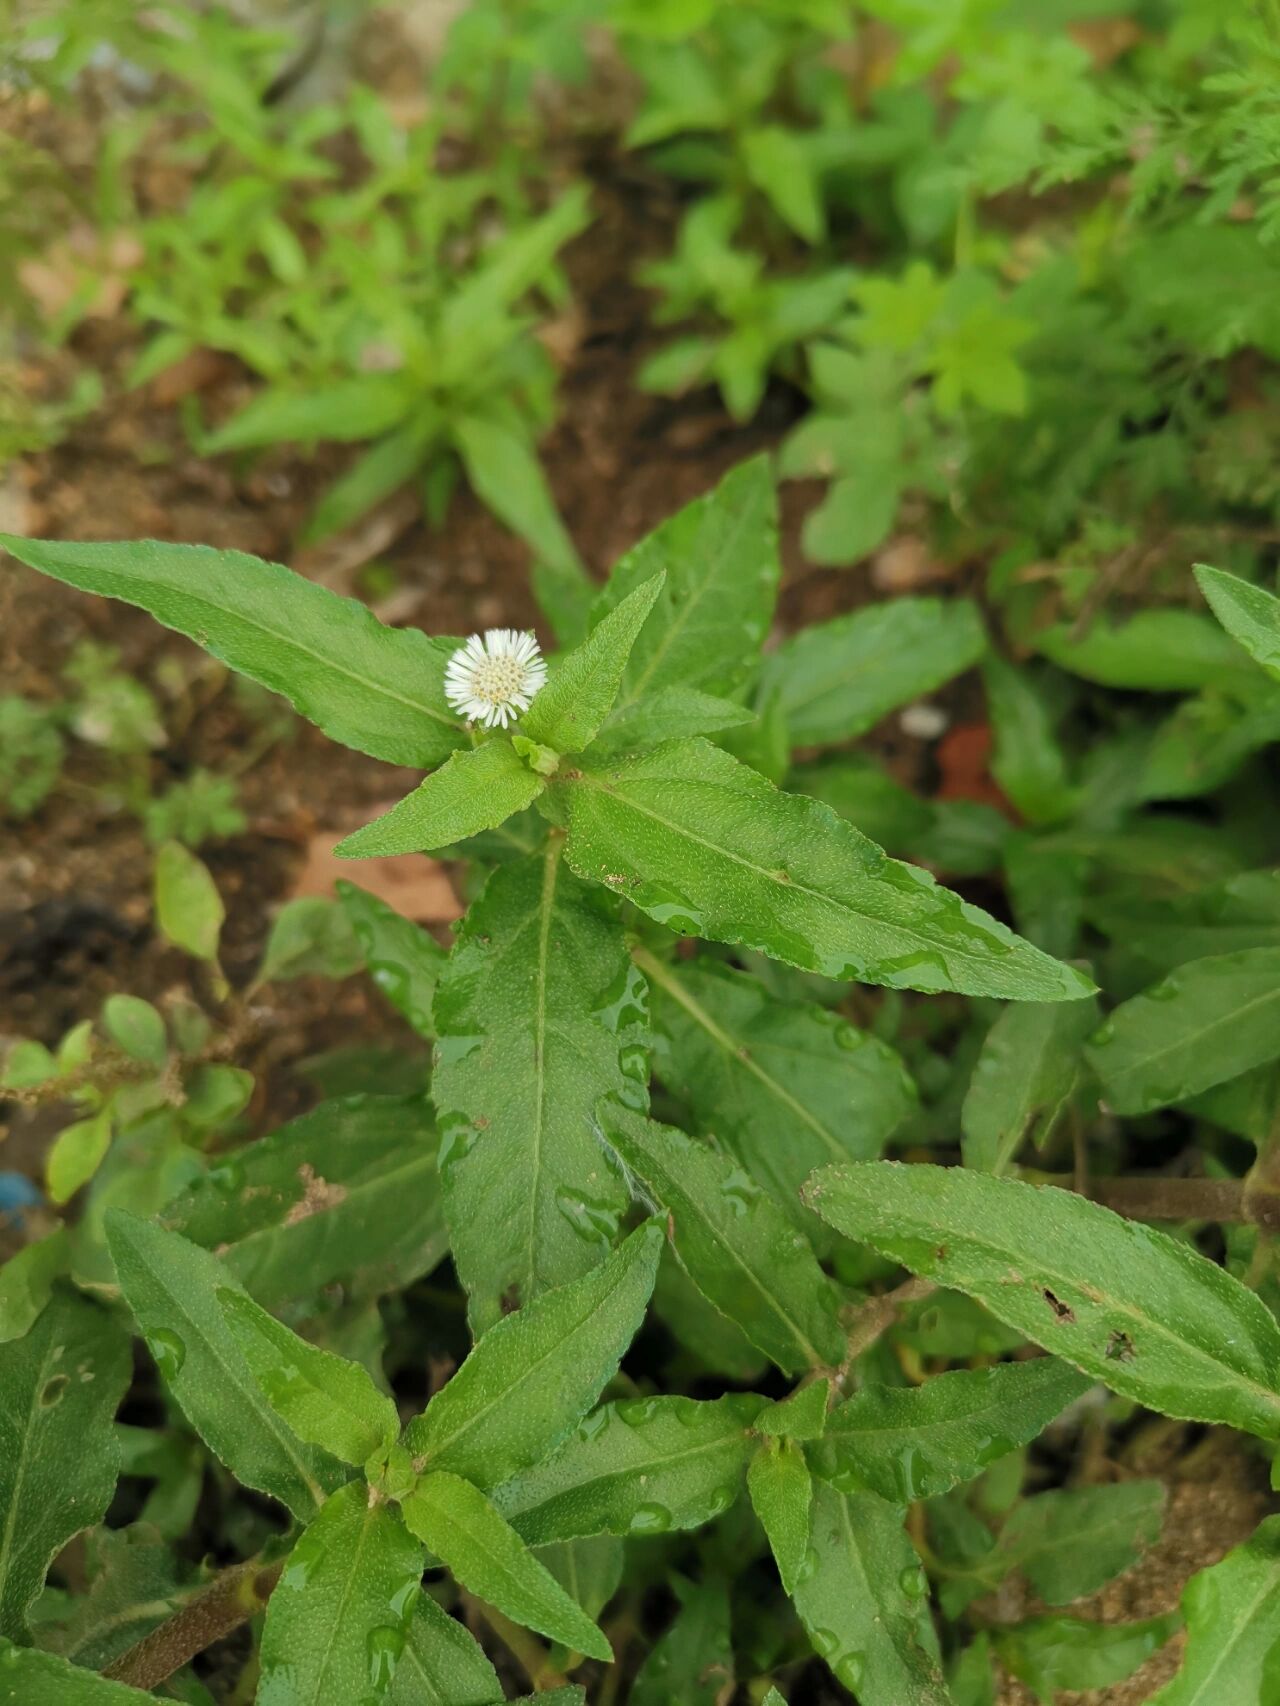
(740, 1250)
(339, 1617)
(487, 1556)
(135, 1582)
(1130, 1306)
(76, 1154)
(507, 475)
(310, 937)
(1154, 650)
(643, 1466)
(780, 166)
(532, 1377)
(1054, 1653)
(59, 1388)
(692, 1662)
(914, 1442)
(837, 678)
(1024, 1078)
(189, 909)
(1232, 1613)
(403, 960)
(380, 690)
(1249, 613)
(344, 412)
(26, 1281)
(170, 1285)
(864, 1600)
(136, 1027)
(1070, 1541)
(1027, 762)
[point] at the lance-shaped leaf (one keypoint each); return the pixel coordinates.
(403, 960)
(540, 1013)
(340, 1615)
(325, 1399)
(170, 1285)
(136, 1581)
(720, 554)
(1051, 1654)
(737, 1245)
(709, 847)
(1133, 1307)
(1250, 614)
(639, 1467)
(781, 1495)
(1166, 650)
(913, 1442)
(693, 1661)
(837, 678)
(31, 1678)
(59, 1388)
(787, 1086)
(487, 1556)
(347, 1192)
(568, 711)
(442, 1664)
(1023, 1079)
(864, 1600)
(476, 789)
(378, 689)
(1205, 1022)
(26, 1282)
(801, 1415)
(1232, 1613)
(666, 715)
(534, 1375)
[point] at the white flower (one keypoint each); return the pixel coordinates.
(494, 676)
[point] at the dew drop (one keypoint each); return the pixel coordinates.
(849, 1669)
(913, 1582)
(650, 1519)
(383, 1647)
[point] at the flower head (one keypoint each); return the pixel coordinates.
(492, 678)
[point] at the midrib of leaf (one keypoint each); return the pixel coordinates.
(811, 1353)
(1042, 1542)
(855, 1552)
(371, 1182)
(681, 618)
(263, 1411)
(1194, 1039)
(344, 1599)
(11, 1515)
(1074, 1283)
(645, 1467)
(737, 1052)
(790, 887)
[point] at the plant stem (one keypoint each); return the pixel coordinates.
(232, 1598)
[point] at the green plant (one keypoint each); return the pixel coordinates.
(661, 1173)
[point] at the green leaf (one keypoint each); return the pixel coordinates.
(802, 1415)
(864, 1600)
(1023, 1080)
(403, 960)
(1232, 1613)
(720, 554)
(779, 164)
(325, 1399)
(310, 937)
(786, 1086)
(1249, 613)
(1207, 1021)
(476, 789)
(189, 909)
(376, 474)
(347, 1192)
(135, 1582)
(540, 1013)
(739, 1248)
(344, 412)
(568, 712)
(1131, 1306)
(76, 1154)
(781, 1495)
(380, 690)
(59, 1388)
(670, 712)
(914, 1442)
(693, 1661)
(29, 1678)
(836, 679)
(533, 1376)
(442, 1664)
(488, 1557)
(639, 1467)
(136, 1027)
(340, 1616)
(1154, 650)
(708, 847)
(1027, 761)
(1054, 1653)
(170, 1285)
(1071, 1541)
(26, 1282)
(506, 474)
